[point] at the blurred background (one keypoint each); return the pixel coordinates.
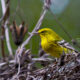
(67, 12)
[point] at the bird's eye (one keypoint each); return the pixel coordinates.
(43, 31)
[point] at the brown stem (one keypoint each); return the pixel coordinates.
(2, 43)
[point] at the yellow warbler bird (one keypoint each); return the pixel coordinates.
(52, 43)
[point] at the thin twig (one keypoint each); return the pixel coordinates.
(61, 25)
(33, 59)
(18, 57)
(44, 11)
(36, 28)
(42, 59)
(16, 12)
(67, 33)
(4, 63)
(6, 27)
(2, 43)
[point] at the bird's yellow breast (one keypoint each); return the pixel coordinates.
(54, 49)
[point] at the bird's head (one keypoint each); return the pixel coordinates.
(45, 32)
(48, 33)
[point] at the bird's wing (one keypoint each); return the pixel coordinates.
(65, 44)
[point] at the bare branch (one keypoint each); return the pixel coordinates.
(6, 28)
(45, 7)
(42, 59)
(36, 28)
(33, 59)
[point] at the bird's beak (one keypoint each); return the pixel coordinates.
(35, 33)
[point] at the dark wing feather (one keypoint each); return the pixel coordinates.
(66, 45)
